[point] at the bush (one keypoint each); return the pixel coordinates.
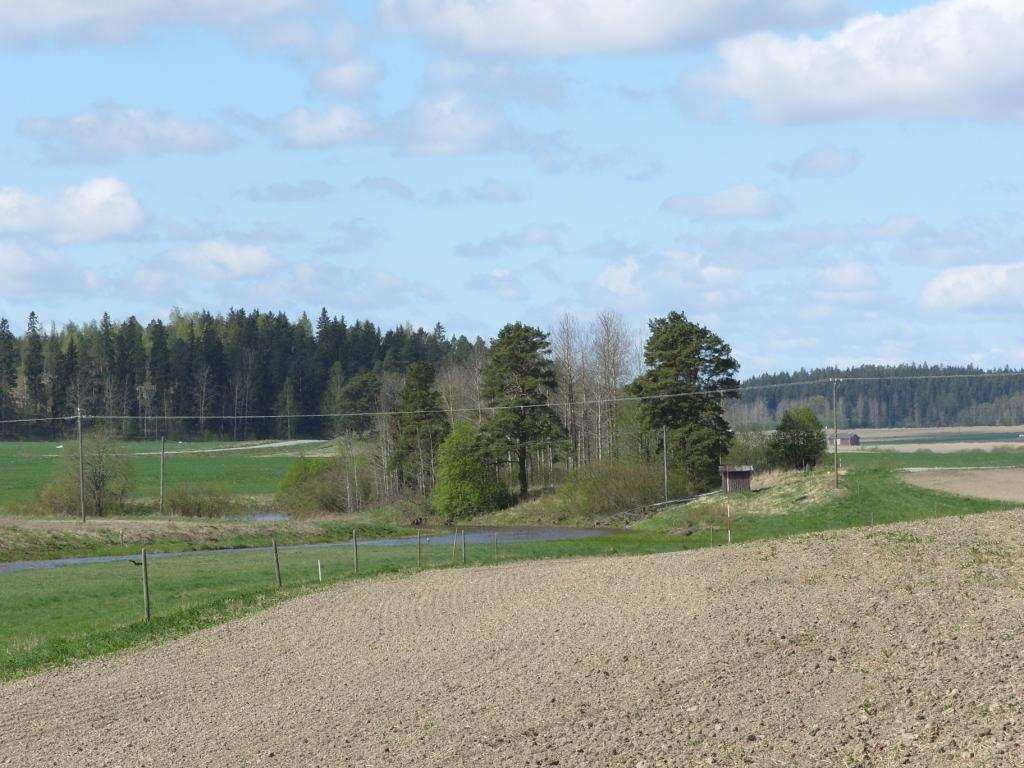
(613, 487)
(753, 448)
(799, 441)
(335, 485)
(466, 481)
(107, 478)
(189, 500)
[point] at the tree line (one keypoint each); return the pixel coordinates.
(206, 374)
(888, 396)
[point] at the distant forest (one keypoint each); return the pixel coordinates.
(886, 400)
(208, 374)
(213, 367)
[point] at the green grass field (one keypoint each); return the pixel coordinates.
(53, 617)
(894, 460)
(26, 467)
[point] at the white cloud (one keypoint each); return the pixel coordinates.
(499, 80)
(211, 263)
(565, 27)
(388, 186)
(529, 237)
(621, 279)
(119, 20)
(222, 258)
(38, 273)
(954, 58)
(349, 78)
(850, 276)
(452, 124)
(742, 201)
(99, 209)
(111, 132)
(303, 128)
(826, 161)
(992, 287)
(502, 283)
(284, 192)
(490, 191)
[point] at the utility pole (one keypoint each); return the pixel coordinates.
(835, 431)
(81, 468)
(664, 458)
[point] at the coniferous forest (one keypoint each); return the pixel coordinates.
(206, 374)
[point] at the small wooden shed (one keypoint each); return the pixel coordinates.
(736, 478)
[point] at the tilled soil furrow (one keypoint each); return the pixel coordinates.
(893, 646)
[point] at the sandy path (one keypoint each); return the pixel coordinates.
(901, 646)
(998, 484)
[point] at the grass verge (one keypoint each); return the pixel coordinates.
(42, 539)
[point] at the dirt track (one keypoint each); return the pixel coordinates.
(900, 646)
(998, 484)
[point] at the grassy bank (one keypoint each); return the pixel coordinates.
(34, 539)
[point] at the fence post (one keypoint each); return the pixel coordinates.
(419, 551)
(495, 547)
(277, 564)
(664, 458)
(355, 551)
(835, 430)
(162, 446)
(463, 546)
(81, 468)
(455, 543)
(145, 584)
(319, 571)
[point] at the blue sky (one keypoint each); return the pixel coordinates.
(819, 181)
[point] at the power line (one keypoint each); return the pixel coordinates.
(737, 390)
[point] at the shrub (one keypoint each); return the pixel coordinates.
(612, 487)
(189, 500)
(106, 474)
(753, 448)
(335, 485)
(466, 481)
(799, 441)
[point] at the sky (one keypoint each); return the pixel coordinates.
(819, 181)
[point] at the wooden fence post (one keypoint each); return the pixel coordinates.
(355, 551)
(419, 551)
(145, 584)
(277, 564)
(463, 546)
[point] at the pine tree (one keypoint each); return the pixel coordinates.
(685, 363)
(517, 381)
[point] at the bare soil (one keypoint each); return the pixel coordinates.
(998, 484)
(880, 439)
(899, 645)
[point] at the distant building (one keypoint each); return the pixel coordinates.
(736, 479)
(851, 440)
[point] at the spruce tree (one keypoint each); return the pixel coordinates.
(32, 367)
(420, 428)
